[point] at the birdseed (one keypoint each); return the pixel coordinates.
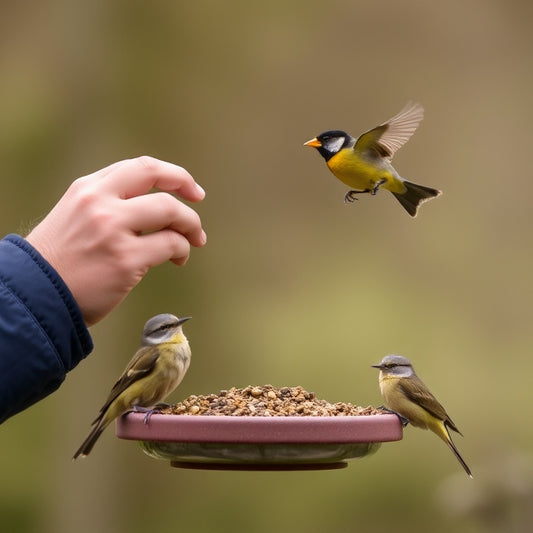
(265, 400)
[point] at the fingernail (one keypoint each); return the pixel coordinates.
(203, 237)
(202, 192)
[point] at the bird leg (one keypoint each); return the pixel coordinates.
(377, 186)
(350, 197)
(149, 410)
(403, 420)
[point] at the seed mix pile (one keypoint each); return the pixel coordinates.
(265, 400)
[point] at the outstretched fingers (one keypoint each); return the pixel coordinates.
(134, 177)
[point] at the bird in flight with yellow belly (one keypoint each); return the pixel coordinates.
(364, 164)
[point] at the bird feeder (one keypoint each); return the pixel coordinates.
(244, 442)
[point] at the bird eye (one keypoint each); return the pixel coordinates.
(165, 327)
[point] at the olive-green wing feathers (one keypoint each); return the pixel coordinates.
(419, 394)
(140, 365)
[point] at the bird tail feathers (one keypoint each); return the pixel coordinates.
(459, 458)
(90, 441)
(441, 429)
(414, 196)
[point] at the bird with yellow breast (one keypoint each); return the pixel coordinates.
(364, 164)
(406, 394)
(155, 370)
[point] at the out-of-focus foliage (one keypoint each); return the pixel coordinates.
(294, 287)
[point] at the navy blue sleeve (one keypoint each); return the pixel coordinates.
(42, 331)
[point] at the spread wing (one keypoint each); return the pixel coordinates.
(140, 365)
(387, 138)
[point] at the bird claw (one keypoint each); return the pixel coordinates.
(149, 411)
(404, 421)
(377, 186)
(350, 198)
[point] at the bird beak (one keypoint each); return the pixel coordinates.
(376, 366)
(184, 319)
(314, 143)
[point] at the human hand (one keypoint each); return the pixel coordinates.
(106, 232)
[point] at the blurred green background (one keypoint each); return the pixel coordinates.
(294, 287)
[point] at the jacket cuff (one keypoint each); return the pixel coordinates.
(40, 288)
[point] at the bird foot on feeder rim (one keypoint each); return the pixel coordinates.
(150, 410)
(403, 420)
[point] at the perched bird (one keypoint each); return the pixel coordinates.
(364, 164)
(155, 370)
(405, 394)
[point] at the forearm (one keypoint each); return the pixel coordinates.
(80, 262)
(42, 331)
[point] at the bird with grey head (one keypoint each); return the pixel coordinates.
(155, 370)
(406, 394)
